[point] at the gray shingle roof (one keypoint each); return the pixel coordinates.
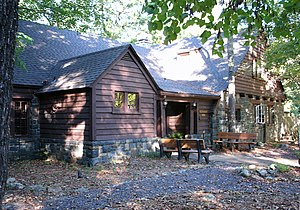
(82, 71)
(203, 74)
(54, 53)
(51, 45)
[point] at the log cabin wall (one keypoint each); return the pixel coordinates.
(24, 139)
(121, 132)
(65, 122)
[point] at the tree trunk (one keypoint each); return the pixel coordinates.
(231, 87)
(8, 29)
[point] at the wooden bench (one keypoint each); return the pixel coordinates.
(184, 147)
(236, 139)
(189, 146)
(167, 146)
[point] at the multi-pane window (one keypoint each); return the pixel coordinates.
(260, 114)
(21, 118)
(126, 101)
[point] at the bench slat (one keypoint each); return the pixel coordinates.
(241, 138)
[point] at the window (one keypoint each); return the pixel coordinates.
(119, 100)
(271, 115)
(254, 68)
(21, 124)
(260, 114)
(127, 102)
(132, 99)
(238, 115)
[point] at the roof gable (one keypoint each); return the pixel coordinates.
(86, 70)
(82, 71)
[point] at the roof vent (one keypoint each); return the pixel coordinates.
(143, 43)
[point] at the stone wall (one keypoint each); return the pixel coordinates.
(91, 153)
(273, 130)
(113, 150)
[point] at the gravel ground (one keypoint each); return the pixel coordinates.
(210, 179)
(151, 183)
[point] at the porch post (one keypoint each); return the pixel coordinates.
(198, 117)
(191, 118)
(163, 119)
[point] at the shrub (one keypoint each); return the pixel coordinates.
(282, 167)
(176, 135)
(297, 154)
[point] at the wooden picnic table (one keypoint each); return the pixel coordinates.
(184, 147)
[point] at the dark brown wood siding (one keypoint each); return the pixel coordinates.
(65, 115)
(26, 93)
(262, 85)
(126, 76)
(205, 113)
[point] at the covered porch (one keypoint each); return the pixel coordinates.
(186, 114)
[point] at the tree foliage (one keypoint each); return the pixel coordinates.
(272, 16)
(279, 19)
(121, 19)
(283, 59)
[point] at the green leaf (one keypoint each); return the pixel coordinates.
(211, 18)
(159, 25)
(177, 30)
(206, 34)
(162, 16)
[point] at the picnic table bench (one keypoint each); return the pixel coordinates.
(184, 147)
(235, 139)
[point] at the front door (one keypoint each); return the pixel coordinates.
(177, 118)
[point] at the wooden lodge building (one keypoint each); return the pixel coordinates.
(83, 97)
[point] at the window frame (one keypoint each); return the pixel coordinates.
(260, 114)
(13, 118)
(125, 109)
(238, 116)
(271, 115)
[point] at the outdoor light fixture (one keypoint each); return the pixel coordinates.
(194, 104)
(165, 103)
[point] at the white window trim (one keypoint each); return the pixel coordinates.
(260, 114)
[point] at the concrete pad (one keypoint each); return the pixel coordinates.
(253, 158)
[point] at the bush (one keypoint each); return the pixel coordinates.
(282, 167)
(297, 154)
(176, 135)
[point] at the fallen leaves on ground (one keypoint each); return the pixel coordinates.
(56, 174)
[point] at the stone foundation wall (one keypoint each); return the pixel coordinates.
(91, 153)
(23, 148)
